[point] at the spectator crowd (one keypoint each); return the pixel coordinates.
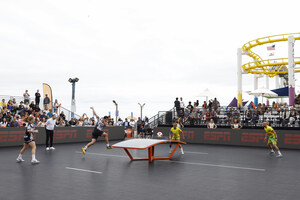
(195, 114)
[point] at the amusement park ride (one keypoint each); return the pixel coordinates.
(280, 67)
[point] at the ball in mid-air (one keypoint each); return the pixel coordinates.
(159, 134)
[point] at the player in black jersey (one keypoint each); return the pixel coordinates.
(98, 132)
(29, 141)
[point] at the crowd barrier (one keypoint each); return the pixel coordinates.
(289, 139)
(15, 136)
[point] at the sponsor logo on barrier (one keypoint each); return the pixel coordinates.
(253, 137)
(216, 136)
(12, 136)
(65, 134)
(292, 139)
(189, 135)
(89, 133)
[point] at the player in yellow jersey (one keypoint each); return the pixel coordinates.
(272, 141)
(175, 135)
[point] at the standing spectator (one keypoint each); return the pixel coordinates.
(56, 105)
(216, 104)
(37, 97)
(49, 132)
(126, 123)
(46, 102)
(138, 125)
(181, 104)
(132, 124)
(26, 96)
(177, 105)
(210, 105)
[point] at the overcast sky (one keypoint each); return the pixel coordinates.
(135, 51)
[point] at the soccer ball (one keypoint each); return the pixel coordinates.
(159, 134)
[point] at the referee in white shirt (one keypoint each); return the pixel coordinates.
(49, 131)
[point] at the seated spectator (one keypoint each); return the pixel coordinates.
(32, 105)
(3, 123)
(149, 132)
(92, 121)
(62, 115)
(120, 122)
(72, 122)
(80, 122)
(44, 115)
(49, 114)
(3, 103)
(211, 124)
(37, 108)
(42, 123)
(236, 125)
(14, 122)
(293, 117)
(21, 109)
(10, 106)
(190, 107)
(26, 105)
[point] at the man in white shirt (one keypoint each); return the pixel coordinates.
(50, 124)
(181, 104)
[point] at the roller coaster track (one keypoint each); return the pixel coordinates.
(270, 67)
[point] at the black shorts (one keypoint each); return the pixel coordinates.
(28, 140)
(96, 134)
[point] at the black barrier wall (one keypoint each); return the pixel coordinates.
(15, 136)
(289, 139)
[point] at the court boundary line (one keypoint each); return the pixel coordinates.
(190, 163)
(84, 170)
(216, 165)
(194, 152)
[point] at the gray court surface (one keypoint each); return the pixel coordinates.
(203, 172)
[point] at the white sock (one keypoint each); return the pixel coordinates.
(20, 156)
(85, 148)
(33, 156)
(181, 149)
(272, 150)
(107, 145)
(278, 152)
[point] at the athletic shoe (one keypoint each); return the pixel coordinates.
(279, 156)
(272, 153)
(35, 161)
(52, 148)
(109, 147)
(48, 148)
(20, 160)
(83, 151)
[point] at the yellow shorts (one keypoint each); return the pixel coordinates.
(176, 137)
(272, 140)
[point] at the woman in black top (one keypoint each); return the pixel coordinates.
(29, 141)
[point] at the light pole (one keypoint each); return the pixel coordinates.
(117, 111)
(141, 110)
(73, 104)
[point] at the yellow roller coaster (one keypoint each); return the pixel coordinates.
(270, 67)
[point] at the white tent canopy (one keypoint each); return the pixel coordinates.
(263, 92)
(206, 93)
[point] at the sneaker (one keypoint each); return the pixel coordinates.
(279, 156)
(20, 159)
(272, 153)
(109, 147)
(35, 161)
(83, 151)
(47, 149)
(52, 148)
